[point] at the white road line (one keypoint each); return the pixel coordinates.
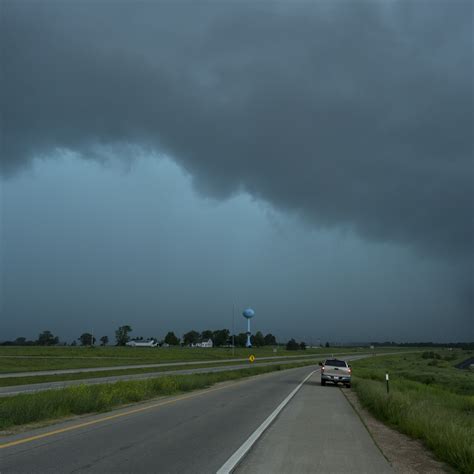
(243, 450)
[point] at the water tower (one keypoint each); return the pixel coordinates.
(248, 314)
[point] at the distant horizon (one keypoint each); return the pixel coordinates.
(333, 343)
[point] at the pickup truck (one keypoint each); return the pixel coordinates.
(335, 371)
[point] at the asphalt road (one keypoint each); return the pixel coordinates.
(317, 431)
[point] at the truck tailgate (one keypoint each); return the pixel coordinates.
(336, 371)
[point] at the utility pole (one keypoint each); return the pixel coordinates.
(233, 329)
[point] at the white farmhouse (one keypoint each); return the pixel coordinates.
(150, 343)
(207, 343)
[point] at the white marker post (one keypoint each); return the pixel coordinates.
(386, 379)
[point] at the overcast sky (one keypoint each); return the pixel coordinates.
(162, 161)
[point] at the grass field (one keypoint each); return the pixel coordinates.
(429, 399)
(13, 381)
(78, 400)
(37, 358)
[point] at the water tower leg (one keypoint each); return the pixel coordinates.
(249, 344)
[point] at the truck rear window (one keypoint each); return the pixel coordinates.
(336, 363)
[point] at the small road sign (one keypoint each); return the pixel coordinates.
(251, 358)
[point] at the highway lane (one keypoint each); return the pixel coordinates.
(196, 433)
(40, 387)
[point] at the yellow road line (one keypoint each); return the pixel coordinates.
(110, 417)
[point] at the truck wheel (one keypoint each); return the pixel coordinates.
(323, 382)
(348, 385)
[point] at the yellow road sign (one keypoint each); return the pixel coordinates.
(251, 358)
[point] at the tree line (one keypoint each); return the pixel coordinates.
(219, 337)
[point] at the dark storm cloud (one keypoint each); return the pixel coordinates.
(354, 114)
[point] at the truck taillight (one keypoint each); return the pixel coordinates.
(322, 368)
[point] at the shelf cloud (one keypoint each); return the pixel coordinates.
(354, 115)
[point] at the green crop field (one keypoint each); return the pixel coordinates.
(429, 399)
(38, 358)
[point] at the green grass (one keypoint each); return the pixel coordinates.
(429, 400)
(34, 379)
(37, 358)
(53, 404)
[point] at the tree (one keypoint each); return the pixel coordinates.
(292, 345)
(121, 335)
(270, 340)
(240, 339)
(258, 339)
(206, 335)
(171, 339)
(104, 340)
(74, 343)
(191, 337)
(86, 339)
(220, 337)
(327, 344)
(20, 341)
(303, 346)
(46, 338)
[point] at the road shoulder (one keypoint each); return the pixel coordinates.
(318, 431)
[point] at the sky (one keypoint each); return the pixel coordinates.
(167, 164)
